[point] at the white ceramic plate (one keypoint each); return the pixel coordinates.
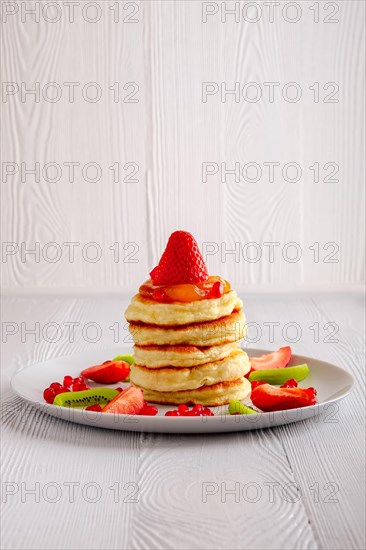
(332, 384)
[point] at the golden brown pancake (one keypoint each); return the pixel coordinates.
(224, 330)
(215, 395)
(155, 357)
(144, 310)
(167, 379)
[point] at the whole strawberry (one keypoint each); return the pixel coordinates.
(181, 262)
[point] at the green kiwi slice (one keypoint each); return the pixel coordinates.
(81, 399)
(127, 358)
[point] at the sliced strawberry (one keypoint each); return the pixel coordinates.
(275, 360)
(181, 262)
(130, 401)
(256, 383)
(95, 408)
(270, 398)
(292, 383)
(109, 372)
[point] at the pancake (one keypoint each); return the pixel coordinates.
(156, 357)
(168, 379)
(144, 310)
(218, 394)
(227, 329)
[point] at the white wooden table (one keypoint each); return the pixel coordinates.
(297, 486)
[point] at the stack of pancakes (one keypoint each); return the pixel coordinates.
(189, 352)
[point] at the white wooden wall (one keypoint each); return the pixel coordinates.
(161, 125)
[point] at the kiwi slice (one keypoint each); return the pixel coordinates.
(81, 399)
(127, 358)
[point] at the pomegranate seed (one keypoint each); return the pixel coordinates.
(172, 413)
(49, 395)
(149, 410)
(60, 390)
(55, 386)
(68, 380)
(79, 380)
(197, 408)
(96, 408)
(121, 390)
(183, 409)
(207, 412)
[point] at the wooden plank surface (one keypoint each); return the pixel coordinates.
(323, 460)
(164, 58)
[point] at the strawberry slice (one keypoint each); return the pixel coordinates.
(269, 398)
(275, 360)
(109, 372)
(130, 401)
(181, 262)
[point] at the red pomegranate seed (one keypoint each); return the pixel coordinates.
(183, 409)
(197, 408)
(68, 380)
(79, 380)
(207, 412)
(79, 387)
(49, 395)
(149, 410)
(60, 390)
(172, 413)
(55, 386)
